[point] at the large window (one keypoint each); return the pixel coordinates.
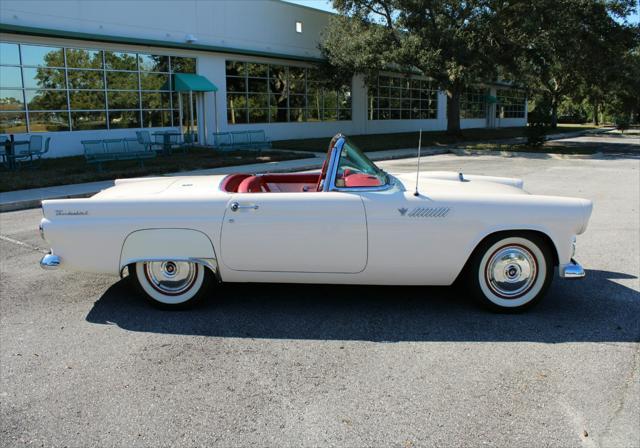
(45, 88)
(266, 93)
(511, 103)
(473, 103)
(402, 98)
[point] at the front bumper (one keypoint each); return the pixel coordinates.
(50, 262)
(572, 270)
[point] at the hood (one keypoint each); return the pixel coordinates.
(449, 182)
(162, 186)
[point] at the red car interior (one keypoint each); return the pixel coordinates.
(246, 183)
(361, 180)
(289, 183)
(232, 181)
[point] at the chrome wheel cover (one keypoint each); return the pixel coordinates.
(171, 277)
(511, 271)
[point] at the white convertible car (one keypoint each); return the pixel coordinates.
(352, 223)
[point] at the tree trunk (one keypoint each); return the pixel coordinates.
(554, 112)
(596, 120)
(453, 111)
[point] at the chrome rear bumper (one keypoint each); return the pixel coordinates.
(573, 270)
(50, 261)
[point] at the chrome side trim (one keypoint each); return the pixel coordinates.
(210, 263)
(50, 262)
(573, 270)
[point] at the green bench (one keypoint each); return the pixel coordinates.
(238, 140)
(100, 151)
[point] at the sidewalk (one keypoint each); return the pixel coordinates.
(24, 199)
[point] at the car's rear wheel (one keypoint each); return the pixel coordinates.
(171, 284)
(510, 273)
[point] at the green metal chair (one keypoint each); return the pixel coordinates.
(144, 138)
(36, 154)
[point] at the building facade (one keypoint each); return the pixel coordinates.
(77, 70)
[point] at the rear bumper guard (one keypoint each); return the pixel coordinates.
(50, 262)
(572, 270)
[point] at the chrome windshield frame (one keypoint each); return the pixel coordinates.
(332, 172)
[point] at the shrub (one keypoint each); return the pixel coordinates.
(537, 128)
(622, 123)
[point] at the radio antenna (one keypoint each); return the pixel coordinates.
(416, 193)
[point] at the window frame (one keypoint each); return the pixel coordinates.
(238, 73)
(168, 109)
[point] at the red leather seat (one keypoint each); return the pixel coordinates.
(232, 182)
(253, 184)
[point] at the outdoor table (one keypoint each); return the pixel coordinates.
(166, 139)
(10, 151)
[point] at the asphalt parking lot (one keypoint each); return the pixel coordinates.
(84, 362)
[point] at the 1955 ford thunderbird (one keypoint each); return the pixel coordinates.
(352, 223)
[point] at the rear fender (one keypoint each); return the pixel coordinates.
(168, 244)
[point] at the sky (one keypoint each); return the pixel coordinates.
(317, 4)
(326, 6)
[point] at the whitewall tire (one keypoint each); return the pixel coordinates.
(171, 284)
(510, 273)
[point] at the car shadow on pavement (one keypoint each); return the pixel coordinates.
(596, 309)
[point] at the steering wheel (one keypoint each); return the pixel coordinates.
(325, 164)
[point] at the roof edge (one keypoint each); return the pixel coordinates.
(48, 32)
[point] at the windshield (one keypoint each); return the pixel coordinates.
(356, 170)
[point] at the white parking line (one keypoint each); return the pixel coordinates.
(20, 243)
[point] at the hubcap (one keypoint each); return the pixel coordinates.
(511, 271)
(171, 277)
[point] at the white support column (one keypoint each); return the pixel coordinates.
(215, 110)
(442, 110)
(191, 112)
(180, 113)
(203, 106)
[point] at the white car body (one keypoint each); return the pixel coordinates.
(378, 236)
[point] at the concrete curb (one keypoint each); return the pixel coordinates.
(536, 155)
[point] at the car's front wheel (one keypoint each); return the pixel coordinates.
(510, 273)
(171, 284)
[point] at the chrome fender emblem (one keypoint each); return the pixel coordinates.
(72, 212)
(425, 212)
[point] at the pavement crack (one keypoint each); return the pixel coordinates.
(20, 243)
(626, 391)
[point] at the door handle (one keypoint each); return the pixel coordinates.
(235, 207)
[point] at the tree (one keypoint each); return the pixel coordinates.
(455, 42)
(569, 47)
(623, 99)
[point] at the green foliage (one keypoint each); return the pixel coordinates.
(584, 50)
(622, 123)
(539, 122)
(455, 42)
(573, 49)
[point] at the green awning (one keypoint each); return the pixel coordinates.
(187, 82)
(491, 99)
